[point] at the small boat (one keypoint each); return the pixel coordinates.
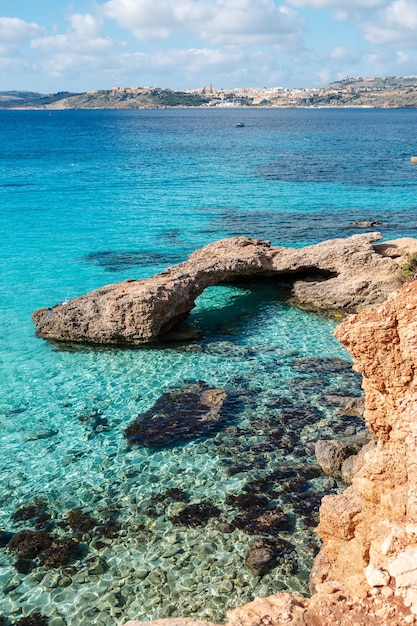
(240, 125)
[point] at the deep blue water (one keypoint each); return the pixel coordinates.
(92, 197)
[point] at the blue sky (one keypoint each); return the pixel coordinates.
(60, 45)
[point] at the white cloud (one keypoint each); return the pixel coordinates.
(195, 67)
(370, 58)
(245, 23)
(397, 23)
(187, 43)
(386, 62)
(82, 48)
(342, 5)
(147, 19)
(340, 15)
(231, 26)
(85, 36)
(71, 64)
(86, 25)
(402, 57)
(342, 54)
(186, 63)
(323, 76)
(225, 22)
(14, 32)
(13, 65)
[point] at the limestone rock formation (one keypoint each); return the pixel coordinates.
(340, 274)
(370, 531)
(399, 249)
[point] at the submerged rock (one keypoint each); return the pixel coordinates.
(5, 538)
(41, 434)
(32, 546)
(366, 224)
(195, 515)
(248, 501)
(181, 414)
(84, 526)
(354, 407)
(81, 523)
(262, 521)
(60, 552)
(340, 274)
(331, 453)
(347, 469)
(116, 261)
(36, 619)
(263, 554)
(320, 364)
(36, 512)
(29, 544)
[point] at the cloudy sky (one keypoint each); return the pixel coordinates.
(64, 45)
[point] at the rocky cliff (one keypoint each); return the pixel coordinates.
(340, 274)
(366, 571)
(370, 531)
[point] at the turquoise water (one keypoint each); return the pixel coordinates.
(89, 198)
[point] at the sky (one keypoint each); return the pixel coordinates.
(80, 45)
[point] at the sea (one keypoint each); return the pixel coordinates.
(94, 530)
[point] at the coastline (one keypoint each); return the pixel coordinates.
(389, 92)
(117, 199)
(354, 578)
(237, 108)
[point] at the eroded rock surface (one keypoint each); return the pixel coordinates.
(340, 274)
(399, 249)
(370, 531)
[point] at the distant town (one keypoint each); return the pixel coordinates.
(389, 92)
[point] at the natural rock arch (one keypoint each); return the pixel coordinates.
(339, 274)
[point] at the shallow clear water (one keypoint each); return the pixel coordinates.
(89, 198)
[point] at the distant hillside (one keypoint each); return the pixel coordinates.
(131, 98)
(389, 92)
(29, 99)
(16, 97)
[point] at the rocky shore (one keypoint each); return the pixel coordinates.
(366, 571)
(336, 275)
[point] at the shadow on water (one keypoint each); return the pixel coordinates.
(225, 309)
